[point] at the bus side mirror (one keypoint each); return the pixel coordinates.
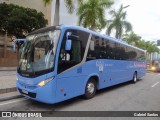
(68, 41)
(68, 45)
(14, 47)
(17, 40)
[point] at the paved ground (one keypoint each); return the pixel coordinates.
(7, 79)
(142, 96)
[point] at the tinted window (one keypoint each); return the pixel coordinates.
(101, 48)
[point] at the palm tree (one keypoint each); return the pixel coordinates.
(142, 44)
(118, 23)
(92, 13)
(132, 39)
(151, 48)
(136, 40)
(69, 5)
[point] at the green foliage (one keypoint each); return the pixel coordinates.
(132, 38)
(136, 40)
(18, 21)
(118, 23)
(150, 47)
(69, 5)
(92, 13)
(46, 2)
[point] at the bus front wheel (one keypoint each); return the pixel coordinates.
(90, 89)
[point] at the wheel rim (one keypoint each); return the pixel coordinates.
(135, 78)
(90, 88)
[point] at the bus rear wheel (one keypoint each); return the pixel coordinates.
(134, 77)
(90, 89)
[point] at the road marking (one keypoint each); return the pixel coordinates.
(12, 102)
(155, 84)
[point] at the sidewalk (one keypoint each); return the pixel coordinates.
(8, 83)
(7, 79)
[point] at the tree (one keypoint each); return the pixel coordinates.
(92, 13)
(69, 4)
(19, 21)
(132, 39)
(118, 23)
(136, 40)
(151, 48)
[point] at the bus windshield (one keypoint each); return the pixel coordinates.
(37, 55)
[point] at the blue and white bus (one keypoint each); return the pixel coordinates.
(61, 62)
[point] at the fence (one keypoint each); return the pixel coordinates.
(7, 57)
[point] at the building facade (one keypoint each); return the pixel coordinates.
(7, 57)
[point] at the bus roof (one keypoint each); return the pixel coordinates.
(86, 30)
(100, 35)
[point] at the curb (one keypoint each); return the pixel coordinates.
(9, 70)
(7, 90)
(10, 98)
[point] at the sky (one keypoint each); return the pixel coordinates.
(144, 15)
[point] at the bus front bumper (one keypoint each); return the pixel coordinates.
(45, 94)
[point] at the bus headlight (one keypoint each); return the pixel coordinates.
(44, 82)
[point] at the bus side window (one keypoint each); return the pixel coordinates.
(68, 59)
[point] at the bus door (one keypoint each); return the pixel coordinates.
(70, 70)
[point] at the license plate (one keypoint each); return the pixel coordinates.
(24, 91)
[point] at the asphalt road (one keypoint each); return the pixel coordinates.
(142, 96)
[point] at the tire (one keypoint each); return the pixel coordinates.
(90, 89)
(135, 77)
